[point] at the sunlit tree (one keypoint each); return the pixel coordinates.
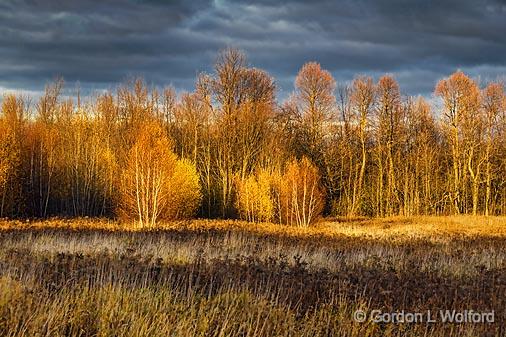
(494, 107)
(12, 122)
(155, 185)
(301, 196)
(255, 196)
(460, 96)
(362, 101)
(388, 126)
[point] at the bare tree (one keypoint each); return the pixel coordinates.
(314, 94)
(362, 101)
(388, 126)
(460, 96)
(493, 105)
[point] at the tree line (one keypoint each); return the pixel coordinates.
(230, 150)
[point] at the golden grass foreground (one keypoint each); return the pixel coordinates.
(391, 228)
(98, 277)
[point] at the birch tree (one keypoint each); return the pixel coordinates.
(460, 97)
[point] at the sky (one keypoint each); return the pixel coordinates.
(101, 43)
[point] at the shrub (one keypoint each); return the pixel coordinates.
(254, 197)
(186, 194)
(294, 197)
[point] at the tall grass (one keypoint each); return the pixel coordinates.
(237, 279)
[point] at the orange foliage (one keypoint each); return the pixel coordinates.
(11, 124)
(315, 95)
(155, 184)
(301, 196)
(460, 95)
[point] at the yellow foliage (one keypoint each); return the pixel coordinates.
(155, 184)
(185, 191)
(4, 155)
(254, 197)
(11, 122)
(293, 198)
(86, 165)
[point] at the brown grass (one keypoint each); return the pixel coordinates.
(390, 228)
(91, 277)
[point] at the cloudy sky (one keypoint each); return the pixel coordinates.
(100, 43)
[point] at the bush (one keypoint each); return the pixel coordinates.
(254, 197)
(294, 197)
(155, 185)
(186, 194)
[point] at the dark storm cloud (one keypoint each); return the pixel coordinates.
(99, 43)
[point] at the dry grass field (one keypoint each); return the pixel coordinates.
(95, 277)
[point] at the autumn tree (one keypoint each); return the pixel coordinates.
(155, 185)
(253, 125)
(255, 197)
(460, 96)
(314, 104)
(314, 94)
(89, 164)
(188, 123)
(362, 102)
(388, 126)
(358, 148)
(494, 107)
(246, 98)
(423, 168)
(12, 122)
(206, 156)
(498, 197)
(136, 104)
(227, 86)
(301, 196)
(45, 141)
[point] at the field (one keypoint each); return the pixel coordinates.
(92, 277)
